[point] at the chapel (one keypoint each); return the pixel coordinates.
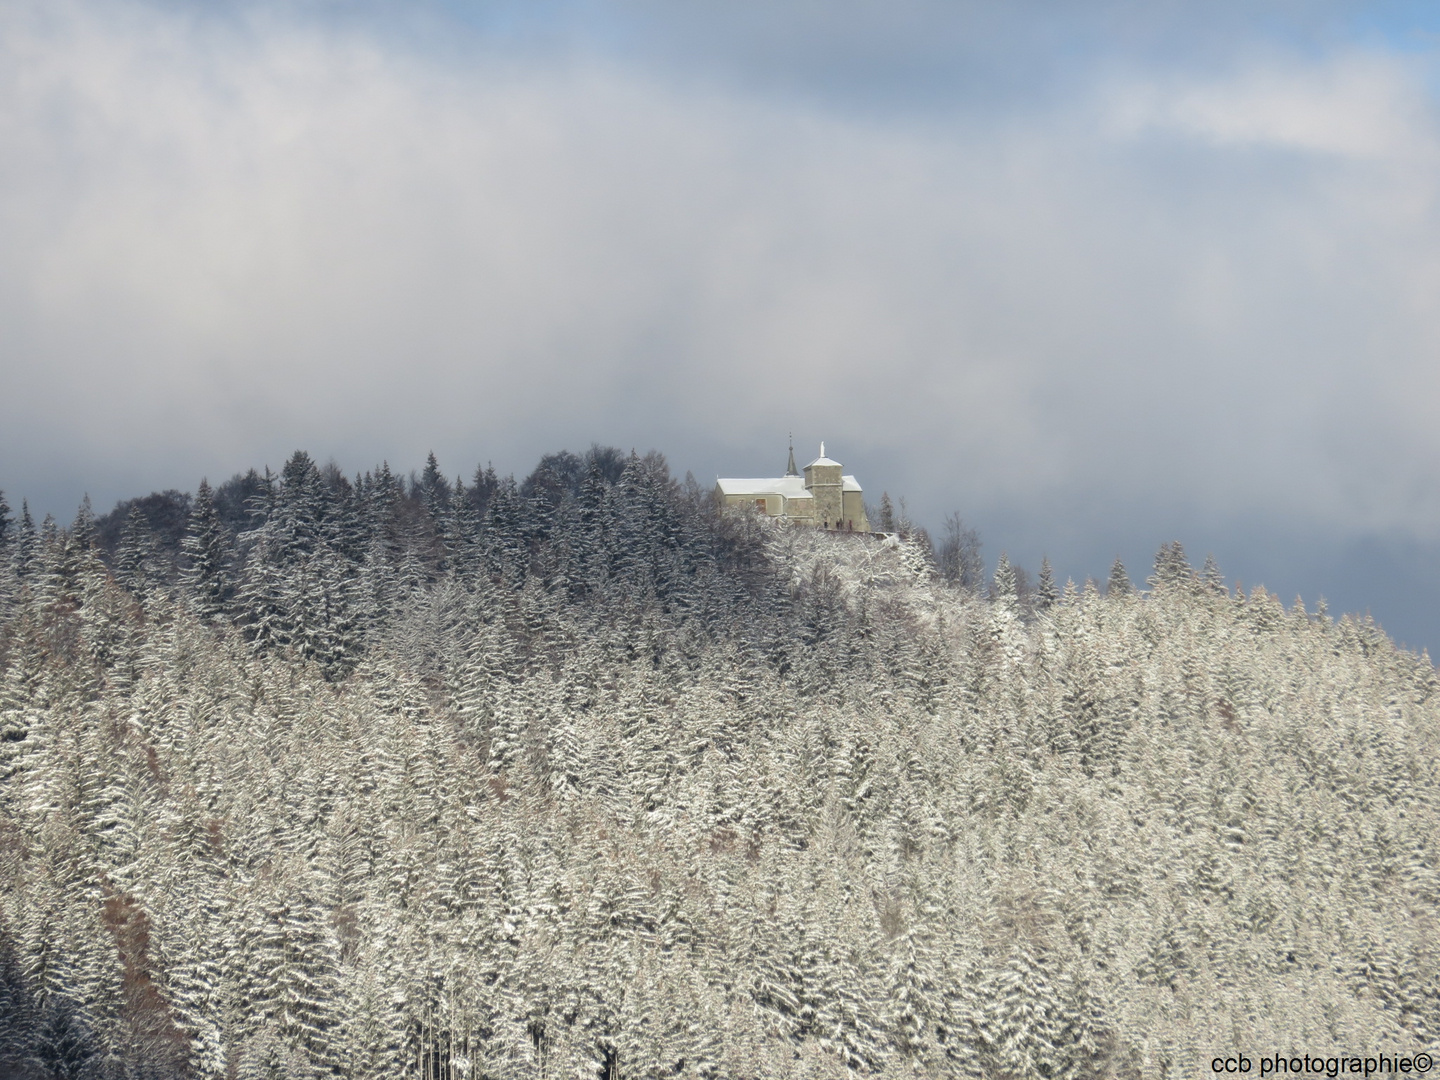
(822, 497)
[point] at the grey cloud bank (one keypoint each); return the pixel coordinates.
(1193, 300)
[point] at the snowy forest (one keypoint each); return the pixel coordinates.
(312, 775)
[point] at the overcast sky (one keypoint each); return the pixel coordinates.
(1096, 275)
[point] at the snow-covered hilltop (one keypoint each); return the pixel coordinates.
(586, 777)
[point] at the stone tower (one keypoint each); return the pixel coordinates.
(823, 480)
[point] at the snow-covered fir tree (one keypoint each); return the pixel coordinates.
(580, 776)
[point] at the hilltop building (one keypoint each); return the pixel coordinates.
(823, 497)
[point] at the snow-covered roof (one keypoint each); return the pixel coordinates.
(792, 487)
(821, 461)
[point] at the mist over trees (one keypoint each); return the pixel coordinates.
(315, 775)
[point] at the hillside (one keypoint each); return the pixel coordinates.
(581, 777)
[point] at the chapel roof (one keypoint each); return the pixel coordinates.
(792, 487)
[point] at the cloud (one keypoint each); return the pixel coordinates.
(1357, 106)
(222, 237)
(1152, 298)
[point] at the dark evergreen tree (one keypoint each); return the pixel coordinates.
(8, 567)
(82, 529)
(1213, 578)
(134, 556)
(165, 515)
(1046, 594)
(482, 490)
(1119, 583)
(1171, 567)
(589, 542)
(301, 584)
(506, 545)
(27, 544)
(433, 487)
(240, 502)
(205, 550)
(72, 566)
(462, 539)
(435, 496)
(1004, 587)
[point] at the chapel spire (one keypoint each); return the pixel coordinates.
(790, 469)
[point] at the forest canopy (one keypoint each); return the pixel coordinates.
(315, 775)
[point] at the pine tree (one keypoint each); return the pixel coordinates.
(1024, 1020)
(912, 997)
(1171, 567)
(9, 544)
(1046, 594)
(27, 544)
(1213, 578)
(462, 540)
(22, 687)
(482, 489)
(1003, 589)
(205, 549)
(1119, 583)
(507, 551)
(263, 595)
(73, 570)
(379, 513)
(82, 529)
(434, 489)
(301, 587)
(135, 554)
